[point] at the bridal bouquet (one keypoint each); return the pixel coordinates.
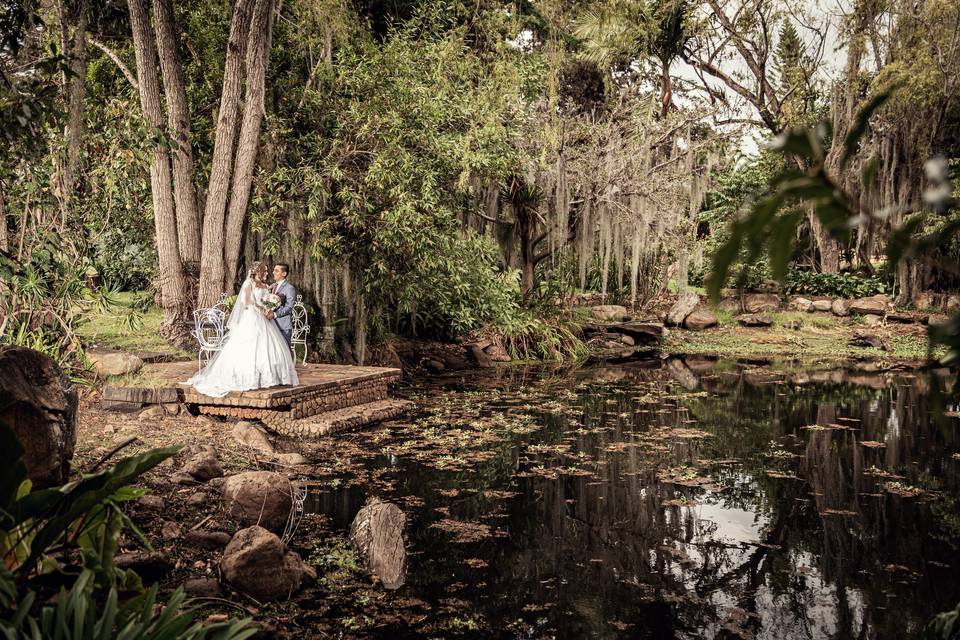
(270, 301)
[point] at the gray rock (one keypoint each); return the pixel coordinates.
(801, 304)
(207, 539)
(683, 307)
(203, 466)
(378, 533)
(154, 503)
(497, 353)
(822, 304)
(760, 302)
(257, 563)
(875, 305)
(627, 340)
(113, 363)
(203, 588)
(261, 498)
(701, 318)
(38, 402)
(253, 436)
(755, 320)
(871, 320)
(480, 357)
(840, 308)
(609, 312)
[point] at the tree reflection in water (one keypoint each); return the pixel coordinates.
(707, 500)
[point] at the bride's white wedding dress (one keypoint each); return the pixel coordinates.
(255, 354)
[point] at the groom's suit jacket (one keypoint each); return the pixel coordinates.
(283, 314)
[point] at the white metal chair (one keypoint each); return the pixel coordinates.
(210, 331)
(221, 303)
(300, 328)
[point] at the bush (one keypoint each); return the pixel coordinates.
(835, 285)
(459, 290)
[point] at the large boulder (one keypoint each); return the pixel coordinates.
(114, 363)
(378, 533)
(38, 402)
(801, 304)
(497, 353)
(609, 312)
(875, 305)
(683, 307)
(755, 320)
(257, 563)
(760, 302)
(701, 318)
(261, 498)
(253, 436)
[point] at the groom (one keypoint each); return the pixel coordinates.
(283, 314)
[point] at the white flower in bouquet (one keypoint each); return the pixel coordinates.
(270, 301)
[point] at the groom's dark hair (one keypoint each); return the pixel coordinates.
(285, 267)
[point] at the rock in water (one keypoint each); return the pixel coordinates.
(253, 436)
(683, 307)
(377, 532)
(701, 318)
(261, 498)
(38, 402)
(257, 563)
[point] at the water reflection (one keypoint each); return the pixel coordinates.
(695, 499)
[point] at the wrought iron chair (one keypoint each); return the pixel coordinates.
(222, 303)
(300, 328)
(210, 331)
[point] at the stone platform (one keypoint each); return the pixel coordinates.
(329, 398)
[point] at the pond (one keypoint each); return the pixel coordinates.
(671, 500)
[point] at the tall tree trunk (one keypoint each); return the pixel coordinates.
(178, 122)
(173, 295)
(212, 271)
(76, 94)
(257, 55)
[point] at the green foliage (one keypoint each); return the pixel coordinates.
(65, 538)
(770, 226)
(836, 285)
(457, 290)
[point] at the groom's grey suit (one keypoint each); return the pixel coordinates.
(283, 314)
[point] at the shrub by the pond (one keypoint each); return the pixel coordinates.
(835, 285)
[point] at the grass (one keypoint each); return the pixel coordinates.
(816, 338)
(109, 329)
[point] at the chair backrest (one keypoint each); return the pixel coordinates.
(221, 303)
(300, 325)
(210, 325)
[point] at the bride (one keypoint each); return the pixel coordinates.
(255, 354)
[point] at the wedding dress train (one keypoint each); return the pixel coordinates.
(255, 354)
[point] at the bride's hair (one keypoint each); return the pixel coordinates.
(256, 268)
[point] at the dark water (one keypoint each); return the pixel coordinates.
(671, 502)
